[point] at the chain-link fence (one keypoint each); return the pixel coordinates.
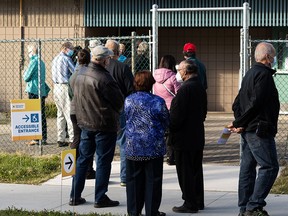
(281, 81)
(14, 63)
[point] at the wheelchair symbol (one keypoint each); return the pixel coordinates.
(35, 117)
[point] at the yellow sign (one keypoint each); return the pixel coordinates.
(68, 162)
(26, 121)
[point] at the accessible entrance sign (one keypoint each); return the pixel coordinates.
(26, 121)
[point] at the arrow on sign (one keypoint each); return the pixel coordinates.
(26, 117)
(70, 162)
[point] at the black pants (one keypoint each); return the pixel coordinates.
(190, 176)
(76, 140)
(44, 122)
(144, 185)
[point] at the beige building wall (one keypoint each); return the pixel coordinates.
(40, 19)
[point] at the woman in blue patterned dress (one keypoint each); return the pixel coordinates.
(147, 118)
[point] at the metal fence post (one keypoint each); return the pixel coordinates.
(133, 52)
(155, 37)
(39, 49)
(246, 23)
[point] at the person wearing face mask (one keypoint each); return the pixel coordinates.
(62, 68)
(187, 137)
(32, 88)
(256, 110)
(99, 104)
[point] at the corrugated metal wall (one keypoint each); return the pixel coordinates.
(136, 13)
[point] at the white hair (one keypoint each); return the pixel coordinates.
(33, 47)
(263, 49)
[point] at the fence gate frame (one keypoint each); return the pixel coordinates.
(244, 33)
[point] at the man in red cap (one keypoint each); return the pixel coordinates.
(189, 51)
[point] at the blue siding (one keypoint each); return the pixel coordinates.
(136, 13)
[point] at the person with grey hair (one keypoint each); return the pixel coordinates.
(99, 103)
(142, 61)
(62, 68)
(32, 88)
(256, 110)
(94, 43)
(187, 136)
(124, 77)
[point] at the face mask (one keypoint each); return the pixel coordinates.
(274, 63)
(31, 55)
(70, 53)
(179, 78)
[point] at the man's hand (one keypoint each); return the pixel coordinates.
(235, 130)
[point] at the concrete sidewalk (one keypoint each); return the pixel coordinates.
(220, 194)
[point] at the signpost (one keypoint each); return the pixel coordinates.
(68, 162)
(26, 121)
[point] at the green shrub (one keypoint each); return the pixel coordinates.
(51, 110)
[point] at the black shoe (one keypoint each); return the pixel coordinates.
(106, 202)
(184, 209)
(170, 162)
(161, 213)
(91, 174)
(256, 212)
(200, 207)
(62, 144)
(76, 202)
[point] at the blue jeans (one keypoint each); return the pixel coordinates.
(121, 141)
(252, 191)
(105, 147)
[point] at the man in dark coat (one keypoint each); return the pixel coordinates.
(188, 112)
(256, 110)
(99, 103)
(124, 78)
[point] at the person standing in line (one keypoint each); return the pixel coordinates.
(189, 52)
(147, 119)
(122, 58)
(92, 44)
(83, 59)
(62, 68)
(99, 103)
(124, 78)
(166, 86)
(32, 88)
(256, 109)
(187, 115)
(142, 61)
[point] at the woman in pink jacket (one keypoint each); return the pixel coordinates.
(166, 86)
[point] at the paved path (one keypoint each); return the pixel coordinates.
(220, 194)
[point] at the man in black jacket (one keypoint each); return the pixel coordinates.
(99, 103)
(124, 77)
(256, 110)
(188, 112)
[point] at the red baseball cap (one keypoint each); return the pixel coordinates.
(189, 47)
